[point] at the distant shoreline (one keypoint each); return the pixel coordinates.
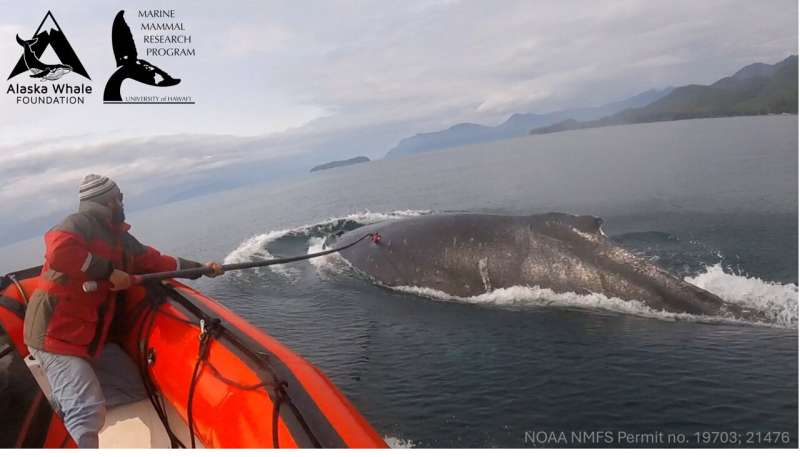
(553, 128)
(755, 90)
(339, 163)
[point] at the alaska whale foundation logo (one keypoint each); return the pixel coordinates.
(130, 66)
(44, 89)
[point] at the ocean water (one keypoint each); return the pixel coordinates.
(714, 201)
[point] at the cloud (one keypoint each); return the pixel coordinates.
(8, 44)
(244, 40)
(483, 60)
(267, 66)
(290, 84)
(39, 179)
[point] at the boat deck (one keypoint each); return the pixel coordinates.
(136, 425)
(133, 425)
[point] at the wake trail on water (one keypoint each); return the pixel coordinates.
(778, 302)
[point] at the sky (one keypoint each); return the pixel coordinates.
(284, 85)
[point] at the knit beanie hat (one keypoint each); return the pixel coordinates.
(98, 188)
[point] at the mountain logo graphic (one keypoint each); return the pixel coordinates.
(32, 50)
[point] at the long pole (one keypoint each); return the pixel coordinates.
(91, 286)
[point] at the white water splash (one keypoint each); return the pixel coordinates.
(255, 247)
(777, 301)
(522, 297)
(398, 443)
(369, 217)
(327, 265)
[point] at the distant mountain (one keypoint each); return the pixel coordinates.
(516, 125)
(755, 89)
(340, 163)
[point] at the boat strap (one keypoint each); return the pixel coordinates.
(12, 305)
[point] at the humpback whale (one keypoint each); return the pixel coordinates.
(470, 254)
(39, 69)
(129, 65)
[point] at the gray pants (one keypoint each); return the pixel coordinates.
(82, 390)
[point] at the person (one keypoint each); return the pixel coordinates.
(66, 328)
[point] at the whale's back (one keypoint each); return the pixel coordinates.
(470, 254)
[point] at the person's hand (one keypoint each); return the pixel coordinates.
(216, 269)
(119, 280)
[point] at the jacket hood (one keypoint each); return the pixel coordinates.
(100, 212)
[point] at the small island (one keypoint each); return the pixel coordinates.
(340, 163)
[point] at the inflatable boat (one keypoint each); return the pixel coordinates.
(213, 380)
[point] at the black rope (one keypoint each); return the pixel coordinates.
(7, 350)
(156, 400)
(278, 387)
(147, 313)
(280, 396)
(189, 411)
(147, 322)
(207, 333)
(231, 382)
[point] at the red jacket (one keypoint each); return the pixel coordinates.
(61, 317)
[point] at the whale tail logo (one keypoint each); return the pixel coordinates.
(26, 43)
(47, 35)
(129, 65)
